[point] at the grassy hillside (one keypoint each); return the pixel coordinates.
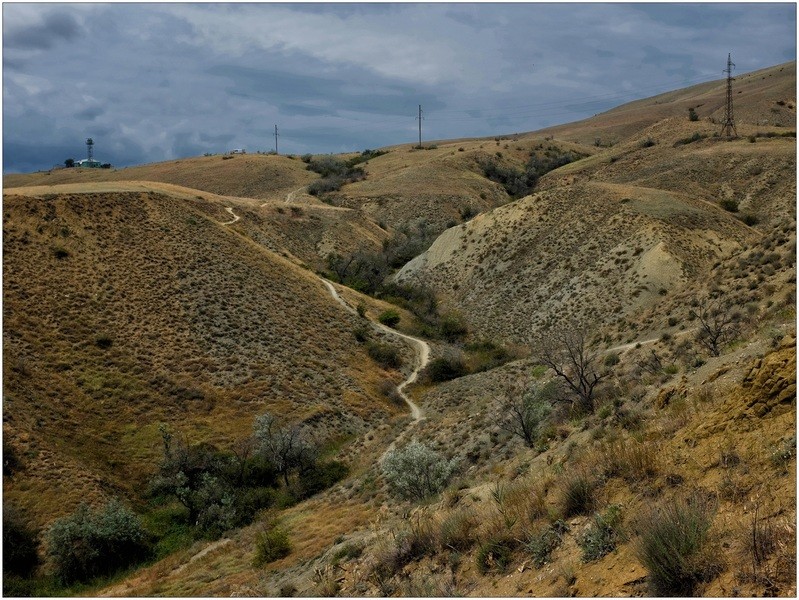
(123, 310)
(244, 175)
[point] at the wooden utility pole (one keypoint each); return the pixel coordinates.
(728, 126)
(420, 125)
(276, 135)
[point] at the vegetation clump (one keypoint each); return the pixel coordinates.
(671, 544)
(94, 542)
(416, 472)
(271, 544)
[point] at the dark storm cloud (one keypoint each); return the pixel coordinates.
(169, 80)
(332, 94)
(55, 27)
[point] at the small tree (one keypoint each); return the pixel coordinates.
(69, 163)
(566, 351)
(718, 322)
(692, 116)
(523, 411)
(416, 472)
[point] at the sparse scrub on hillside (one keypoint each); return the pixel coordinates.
(695, 137)
(416, 472)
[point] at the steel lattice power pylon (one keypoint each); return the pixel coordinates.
(728, 127)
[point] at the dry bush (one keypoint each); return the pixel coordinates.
(673, 546)
(578, 494)
(458, 530)
(629, 459)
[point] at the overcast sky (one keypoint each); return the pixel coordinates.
(150, 82)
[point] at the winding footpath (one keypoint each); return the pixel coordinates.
(422, 353)
(420, 346)
(234, 215)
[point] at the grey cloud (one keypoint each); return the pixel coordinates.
(222, 138)
(90, 113)
(55, 26)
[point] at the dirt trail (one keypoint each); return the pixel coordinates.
(631, 345)
(422, 353)
(234, 215)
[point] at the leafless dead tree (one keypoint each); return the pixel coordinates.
(719, 322)
(566, 351)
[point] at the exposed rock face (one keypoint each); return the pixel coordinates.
(771, 383)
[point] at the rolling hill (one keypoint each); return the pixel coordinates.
(187, 294)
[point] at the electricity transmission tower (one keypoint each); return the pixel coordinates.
(276, 136)
(420, 125)
(89, 148)
(728, 127)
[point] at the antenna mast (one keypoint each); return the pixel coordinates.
(276, 135)
(89, 148)
(728, 127)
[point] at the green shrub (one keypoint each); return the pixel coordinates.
(389, 318)
(271, 544)
(384, 354)
(453, 327)
(416, 472)
(445, 369)
(90, 543)
(320, 477)
(729, 204)
(20, 557)
(60, 252)
(670, 546)
(749, 219)
(692, 116)
(603, 535)
(540, 545)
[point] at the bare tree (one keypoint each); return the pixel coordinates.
(566, 351)
(524, 408)
(287, 447)
(719, 322)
